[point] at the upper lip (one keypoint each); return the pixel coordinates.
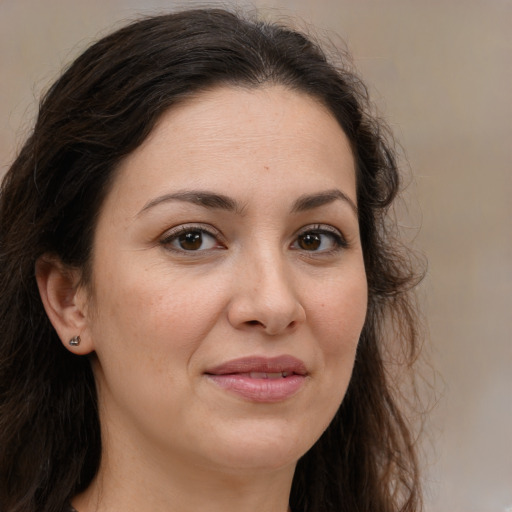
(286, 363)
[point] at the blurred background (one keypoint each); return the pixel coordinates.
(440, 73)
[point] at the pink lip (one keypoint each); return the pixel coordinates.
(256, 378)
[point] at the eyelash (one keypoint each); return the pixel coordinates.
(318, 230)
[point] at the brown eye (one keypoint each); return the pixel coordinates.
(320, 239)
(191, 241)
(185, 239)
(310, 241)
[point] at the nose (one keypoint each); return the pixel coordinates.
(265, 298)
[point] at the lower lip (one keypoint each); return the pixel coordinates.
(260, 390)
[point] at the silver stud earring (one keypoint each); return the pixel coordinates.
(75, 341)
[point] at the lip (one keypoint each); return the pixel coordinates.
(260, 379)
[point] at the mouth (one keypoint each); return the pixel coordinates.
(268, 375)
(260, 379)
(261, 367)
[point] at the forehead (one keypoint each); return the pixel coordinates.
(251, 116)
(227, 137)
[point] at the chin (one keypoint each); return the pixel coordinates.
(264, 446)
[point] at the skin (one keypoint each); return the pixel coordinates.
(158, 314)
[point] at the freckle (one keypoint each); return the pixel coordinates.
(266, 167)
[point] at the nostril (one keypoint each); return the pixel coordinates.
(257, 323)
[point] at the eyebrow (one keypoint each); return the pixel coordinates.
(199, 197)
(222, 202)
(311, 201)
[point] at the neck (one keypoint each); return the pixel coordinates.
(139, 487)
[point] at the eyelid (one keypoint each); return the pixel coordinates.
(322, 228)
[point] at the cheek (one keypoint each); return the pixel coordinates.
(150, 313)
(147, 326)
(340, 315)
(337, 319)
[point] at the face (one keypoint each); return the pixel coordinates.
(228, 286)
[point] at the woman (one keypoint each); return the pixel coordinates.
(198, 274)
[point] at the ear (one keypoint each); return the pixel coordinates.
(65, 302)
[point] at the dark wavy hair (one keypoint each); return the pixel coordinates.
(102, 108)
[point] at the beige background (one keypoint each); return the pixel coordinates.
(441, 74)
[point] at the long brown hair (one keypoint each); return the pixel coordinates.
(99, 111)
